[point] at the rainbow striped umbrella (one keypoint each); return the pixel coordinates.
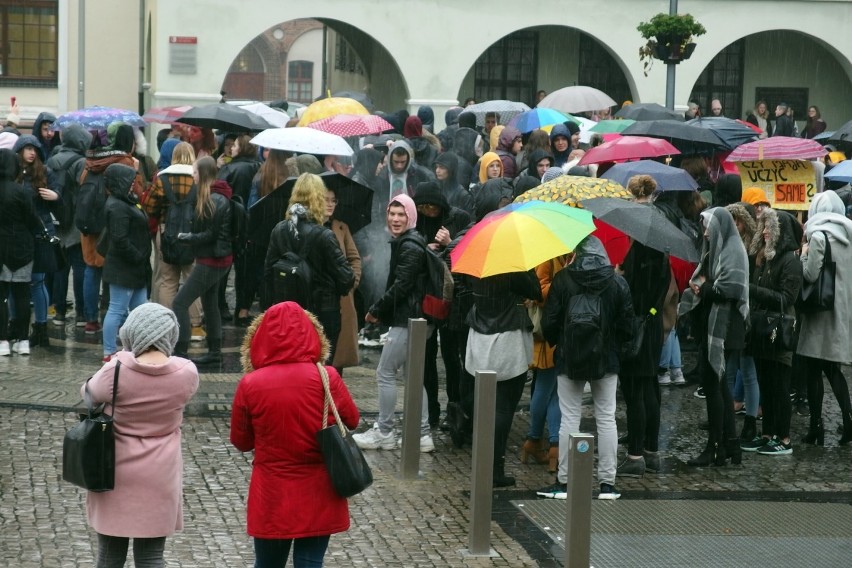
(519, 237)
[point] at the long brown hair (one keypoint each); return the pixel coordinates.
(206, 168)
(273, 172)
(36, 172)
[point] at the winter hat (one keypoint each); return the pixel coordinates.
(551, 173)
(572, 127)
(413, 127)
(429, 193)
(166, 152)
(467, 120)
(7, 140)
(150, 325)
(754, 195)
(836, 156)
(410, 208)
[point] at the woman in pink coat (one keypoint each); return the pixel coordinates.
(277, 412)
(153, 388)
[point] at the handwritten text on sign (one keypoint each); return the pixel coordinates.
(789, 184)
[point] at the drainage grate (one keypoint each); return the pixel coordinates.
(706, 533)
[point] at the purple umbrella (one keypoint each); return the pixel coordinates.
(97, 118)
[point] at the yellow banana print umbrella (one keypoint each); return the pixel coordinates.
(570, 190)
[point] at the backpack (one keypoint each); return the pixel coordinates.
(439, 286)
(69, 186)
(585, 337)
(178, 219)
(89, 210)
(239, 225)
(292, 275)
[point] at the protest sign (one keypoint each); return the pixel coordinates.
(789, 184)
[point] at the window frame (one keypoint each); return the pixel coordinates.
(51, 7)
(300, 81)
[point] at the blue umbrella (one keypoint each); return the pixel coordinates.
(667, 177)
(841, 172)
(98, 118)
(538, 117)
(729, 131)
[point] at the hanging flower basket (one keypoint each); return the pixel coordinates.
(669, 39)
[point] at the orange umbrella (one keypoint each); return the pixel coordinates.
(331, 107)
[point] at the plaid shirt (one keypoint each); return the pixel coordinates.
(155, 204)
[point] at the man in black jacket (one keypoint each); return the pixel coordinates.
(402, 300)
(783, 123)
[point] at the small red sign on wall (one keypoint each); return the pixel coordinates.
(183, 39)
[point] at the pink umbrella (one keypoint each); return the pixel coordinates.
(778, 148)
(628, 148)
(352, 124)
(165, 115)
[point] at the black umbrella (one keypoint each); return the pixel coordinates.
(729, 131)
(643, 223)
(686, 138)
(648, 111)
(354, 205)
(223, 116)
(842, 137)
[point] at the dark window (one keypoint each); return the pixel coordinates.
(508, 69)
(28, 34)
(722, 79)
(599, 69)
(345, 58)
(300, 81)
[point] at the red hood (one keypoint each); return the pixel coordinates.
(285, 335)
(221, 187)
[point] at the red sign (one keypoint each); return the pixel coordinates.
(183, 39)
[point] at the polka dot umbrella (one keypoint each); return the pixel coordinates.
(352, 125)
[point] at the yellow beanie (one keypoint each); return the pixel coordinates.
(754, 195)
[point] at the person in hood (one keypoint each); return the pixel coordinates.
(66, 164)
(446, 172)
(18, 223)
(539, 162)
(44, 133)
(427, 117)
(439, 222)
(425, 145)
(535, 140)
(560, 144)
(401, 174)
(451, 120)
(467, 145)
(588, 272)
(127, 264)
(490, 167)
(277, 412)
(210, 241)
(825, 336)
(776, 281)
(402, 300)
(509, 145)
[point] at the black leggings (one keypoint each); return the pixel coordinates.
(720, 403)
(452, 366)
(21, 297)
(773, 378)
(642, 395)
(508, 395)
(816, 391)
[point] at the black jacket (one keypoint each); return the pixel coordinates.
(331, 275)
(783, 126)
(18, 220)
(404, 291)
(211, 236)
(67, 164)
(498, 302)
(457, 195)
(127, 262)
(239, 174)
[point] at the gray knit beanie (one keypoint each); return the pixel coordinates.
(551, 173)
(150, 325)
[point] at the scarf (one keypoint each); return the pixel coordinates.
(725, 265)
(827, 213)
(297, 212)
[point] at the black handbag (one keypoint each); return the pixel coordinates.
(773, 331)
(819, 295)
(88, 451)
(348, 469)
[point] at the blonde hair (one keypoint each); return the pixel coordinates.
(309, 191)
(641, 186)
(207, 170)
(184, 154)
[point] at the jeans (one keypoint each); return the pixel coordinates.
(147, 552)
(203, 282)
(92, 292)
(748, 375)
(544, 406)
(393, 359)
(39, 297)
(121, 301)
(670, 356)
(74, 253)
(307, 552)
(570, 403)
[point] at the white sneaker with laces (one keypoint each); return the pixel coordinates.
(677, 377)
(427, 445)
(5, 351)
(665, 378)
(373, 439)
(22, 347)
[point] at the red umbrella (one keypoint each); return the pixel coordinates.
(352, 124)
(614, 241)
(778, 148)
(750, 125)
(628, 148)
(165, 115)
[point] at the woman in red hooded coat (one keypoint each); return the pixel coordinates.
(277, 412)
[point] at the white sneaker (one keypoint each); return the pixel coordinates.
(665, 378)
(677, 377)
(22, 347)
(427, 446)
(4, 349)
(373, 439)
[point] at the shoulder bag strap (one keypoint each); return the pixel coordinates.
(827, 256)
(88, 399)
(115, 386)
(329, 402)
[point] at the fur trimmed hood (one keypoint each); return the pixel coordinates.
(284, 333)
(742, 215)
(785, 234)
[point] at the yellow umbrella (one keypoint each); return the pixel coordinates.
(331, 107)
(570, 190)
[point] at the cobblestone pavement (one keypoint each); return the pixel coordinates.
(394, 523)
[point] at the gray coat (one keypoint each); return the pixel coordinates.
(827, 335)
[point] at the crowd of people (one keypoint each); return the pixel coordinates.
(92, 210)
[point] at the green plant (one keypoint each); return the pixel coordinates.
(674, 32)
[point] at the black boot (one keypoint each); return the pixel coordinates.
(500, 477)
(182, 349)
(847, 430)
(213, 357)
(460, 424)
(38, 337)
(816, 432)
(713, 454)
(733, 451)
(449, 417)
(749, 429)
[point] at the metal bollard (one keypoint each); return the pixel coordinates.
(482, 476)
(578, 512)
(418, 332)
